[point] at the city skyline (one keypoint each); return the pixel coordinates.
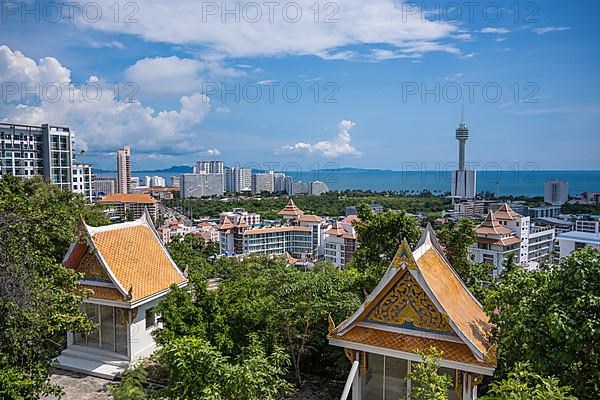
(368, 101)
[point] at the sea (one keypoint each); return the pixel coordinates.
(502, 183)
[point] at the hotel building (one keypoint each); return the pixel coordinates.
(300, 237)
(130, 206)
(44, 150)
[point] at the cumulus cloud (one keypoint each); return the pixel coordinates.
(173, 75)
(257, 29)
(101, 123)
(338, 146)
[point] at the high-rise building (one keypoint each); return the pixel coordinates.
(463, 180)
(238, 180)
(201, 185)
(317, 188)
(263, 182)
(279, 182)
(124, 170)
(556, 192)
(210, 167)
(104, 187)
(37, 150)
(288, 184)
(83, 180)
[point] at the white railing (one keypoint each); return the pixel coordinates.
(350, 380)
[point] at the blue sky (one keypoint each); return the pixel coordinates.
(362, 77)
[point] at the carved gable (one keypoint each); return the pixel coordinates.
(91, 268)
(406, 305)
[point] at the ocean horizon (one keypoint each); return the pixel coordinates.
(503, 183)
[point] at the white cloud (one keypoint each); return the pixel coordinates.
(212, 152)
(174, 75)
(499, 31)
(115, 44)
(101, 124)
(338, 146)
(541, 31)
(223, 109)
(356, 23)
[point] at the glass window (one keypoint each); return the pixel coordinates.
(121, 319)
(395, 378)
(107, 328)
(373, 381)
(150, 318)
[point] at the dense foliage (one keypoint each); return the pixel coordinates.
(38, 298)
(426, 381)
(332, 203)
(550, 319)
(523, 384)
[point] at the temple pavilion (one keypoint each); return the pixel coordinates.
(420, 302)
(127, 271)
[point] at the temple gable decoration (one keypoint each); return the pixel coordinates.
(420, 302)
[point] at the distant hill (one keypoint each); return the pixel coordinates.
(175, 169)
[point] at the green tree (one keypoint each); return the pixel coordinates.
(456, 238)
(549, 319)
(39, 301)
(523, 384)
(191, 252)
(196, 370)
(426, 382)
(380, 234)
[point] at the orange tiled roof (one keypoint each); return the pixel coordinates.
(338, 230)
(309, 218)
(137, 259)
(490, 226)
(129, 257)
(350, 219)
(451, 351)
(141, 198)
(455, 299)
(502, 242)
(225, 224)
(290, 209)
(506, 213)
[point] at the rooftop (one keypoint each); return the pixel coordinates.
(290, 210)
(123, 262)
(141, 198)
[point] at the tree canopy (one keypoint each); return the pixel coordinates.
(38, 297)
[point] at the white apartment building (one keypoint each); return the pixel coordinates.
(317, 188)
(238, 180)
(201, 185)
(340, 243)
(556, 192)
(104, 187)
(568, 242)
(210, 167)
(37, 150)
(506, 232)
(83, 181)
(235, 216)
(586, 234)
(263, 182)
